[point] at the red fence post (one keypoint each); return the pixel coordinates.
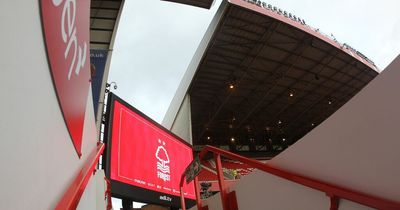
(196, 188)
(107, 194)
(334, 202)
(183, 205)
(335, 192)
(221, 181)
(233, 205)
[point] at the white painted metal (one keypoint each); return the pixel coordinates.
(180, 94)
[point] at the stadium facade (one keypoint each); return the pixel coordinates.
(262, 82)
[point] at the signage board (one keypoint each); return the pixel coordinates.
(145, 161)
(98, 60)
(193, 170)
(66, 32)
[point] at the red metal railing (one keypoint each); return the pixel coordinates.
(334, 192)
(72, 196)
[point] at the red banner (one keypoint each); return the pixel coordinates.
(66, 30)
(146, 156)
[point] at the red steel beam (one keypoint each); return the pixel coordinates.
(334, 191)
(198, 198)
(221, 181)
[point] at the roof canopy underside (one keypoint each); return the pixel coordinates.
(103, 18)
(285, 82)
(197, 3)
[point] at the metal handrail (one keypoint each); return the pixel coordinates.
(72, 196)
(333, 191)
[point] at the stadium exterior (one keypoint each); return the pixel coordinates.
(261, 79)
(262, 82)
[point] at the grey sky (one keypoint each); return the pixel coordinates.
(372, 27)
(156, 41)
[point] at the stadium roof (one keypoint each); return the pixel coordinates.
(104, 15)
(262, 77)
(197, 3)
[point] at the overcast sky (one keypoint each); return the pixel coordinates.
(156, 41)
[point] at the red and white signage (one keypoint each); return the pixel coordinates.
(66, 30)
(145, 155)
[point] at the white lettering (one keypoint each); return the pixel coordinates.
(66, 14)
(81, 59)
(163, 176)
(72, 40)
(163, 170)
(68, 35)
(139, 181)
(165, 198)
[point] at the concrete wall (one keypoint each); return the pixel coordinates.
(37, 156)
(88, 201)
(264, 191)
(357, 148)
(94, 197)
(182, 125)
(260, 191)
